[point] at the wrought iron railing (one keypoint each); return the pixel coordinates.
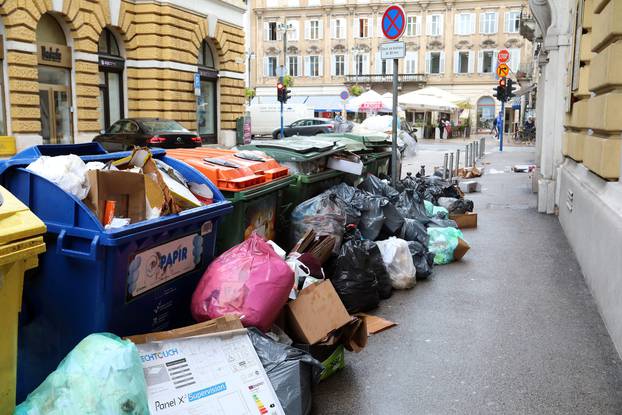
(381, 79)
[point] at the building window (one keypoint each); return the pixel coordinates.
(488, 23)
(411, 62)
(314, 30)
(292, 34)
(339, 65)
(361, 64)
(313, 66)
(412, 26)
(385, 67)
(271, 63)
(111, 66)
(462, 62)
(487, 59)
(465, 24)
(435, 62)
(512, 21)
(435, 25)
(207, 101)
(514, 62)
(271, 32)
(485, 113)
(292, 65)
(339, 28)
(363, 27)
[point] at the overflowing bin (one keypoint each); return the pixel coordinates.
(21, 241)
(376, 154)
(87, 279)
(251, 181)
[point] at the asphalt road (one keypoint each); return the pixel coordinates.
(511, 329)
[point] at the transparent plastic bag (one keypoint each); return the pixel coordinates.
(67, 172)
(103, 374)
(325, 214)
(399, 263)
(443, 243)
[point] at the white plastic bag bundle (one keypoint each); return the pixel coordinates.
(399, 263)
(67, 172)
(409, 141)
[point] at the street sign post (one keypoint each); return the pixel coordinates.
(503, 56)
(393, 27)
(344, 95)
(392, 50)
(503, 70)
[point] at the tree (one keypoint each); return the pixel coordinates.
(249, 93)
(356, 90)
(288, 81)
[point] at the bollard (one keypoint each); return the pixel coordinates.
(476, 143)
(445, 166)
(451, 166)
(466, 156)
(472, 155)
(482, 147)
(457, 161)
(422, 170)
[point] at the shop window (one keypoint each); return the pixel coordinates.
(208, 97)
(485, 113)
(111, 66)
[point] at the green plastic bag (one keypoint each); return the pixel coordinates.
(442, 243)
(101, 375)
(433, 211)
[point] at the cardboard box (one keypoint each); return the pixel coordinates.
(218, 372)
(125, 188)
(218, 325)
(352, 166)
(465, 220)
(462, 248)
(470, 186)
(317, 312)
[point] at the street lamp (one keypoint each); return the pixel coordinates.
(284, 28)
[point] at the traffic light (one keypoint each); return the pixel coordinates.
(509, 90)
(286, 94)
(501, 90)
(280, 92)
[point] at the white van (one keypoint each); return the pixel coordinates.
(265, 118)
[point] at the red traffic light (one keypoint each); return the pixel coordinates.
(280, 86)
(502, 82)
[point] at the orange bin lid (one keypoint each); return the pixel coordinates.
(228, 169)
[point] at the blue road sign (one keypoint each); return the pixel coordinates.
(393, 22)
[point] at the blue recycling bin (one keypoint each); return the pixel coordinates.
(86, 281)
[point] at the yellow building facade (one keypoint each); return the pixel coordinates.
(73, 67)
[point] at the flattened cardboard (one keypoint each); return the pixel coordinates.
(218, 325)
(316, 313)
(462, 248)
(465, 220)
(125, 188)
(376, 324)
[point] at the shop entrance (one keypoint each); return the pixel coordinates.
(54, 102)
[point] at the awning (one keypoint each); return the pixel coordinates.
(525, 90)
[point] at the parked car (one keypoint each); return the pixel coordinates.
(147, 132)
(308, 126)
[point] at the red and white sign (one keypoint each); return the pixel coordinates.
(503, 56)
(371, 106)
(393, 22)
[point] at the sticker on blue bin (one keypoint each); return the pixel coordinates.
(206, 228)
(155, 266)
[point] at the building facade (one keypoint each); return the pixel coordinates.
(71, 68)
(579, 151)
(333, 44)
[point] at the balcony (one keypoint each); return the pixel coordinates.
(525, 73)
(527, 25)
(412, 79)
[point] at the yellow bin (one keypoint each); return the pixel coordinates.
(7, 146)
(21, 241)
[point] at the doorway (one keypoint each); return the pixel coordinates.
(55, 114)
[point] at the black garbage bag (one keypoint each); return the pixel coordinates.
(353, 201)
(291, 371)
(408, 182)
(352, 276)
(413, 230)
(375, 186)
(422, 258)
(372, 216)
(393, 219)
(376, 266)
(454, 205)
(410, 205)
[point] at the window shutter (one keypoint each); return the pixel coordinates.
(417, 25)
(458, 18)
(480, 61)
(345, 64)
(355, 27)
(428, 62)
(428, 29)
(320, 24)
(370, 27)
(333, 65)
(299, 69)
(344, 28)
(495, 25)
(442, 65)
(378, 64)
(307, 29)
(366, 64)
(266, 71)
(441, 24)
(482, 23)
(333, 28)
(507, 22)
(307, 68)
(295, 33)
(279, 34)
(514, 59)
(471, 62)
(473, 21)
(321, 65)
(456, 62)
(266, 31)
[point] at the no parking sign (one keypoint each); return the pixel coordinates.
(393, 22)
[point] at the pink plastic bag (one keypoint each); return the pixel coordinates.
(250, 280)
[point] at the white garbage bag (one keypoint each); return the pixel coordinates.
(399, 263)
(67, 172)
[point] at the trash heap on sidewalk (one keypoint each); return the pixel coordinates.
(268, 321)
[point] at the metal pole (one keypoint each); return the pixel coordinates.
(476, 143)
(283, 73)
(451, 166)
(457, 161)
(466, 156)
(482, 146)
(472, 156)
(445, 166)
(501, 119)
(394, 129)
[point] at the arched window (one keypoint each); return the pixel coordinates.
(207, 99)
(485, 113)
(54, 59)
(111, 66)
